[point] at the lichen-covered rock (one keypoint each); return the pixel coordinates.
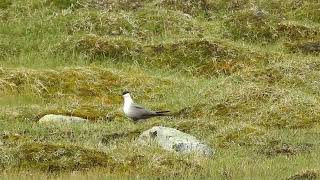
(175, 140)
(52, 118)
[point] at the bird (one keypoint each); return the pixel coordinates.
(137, 112)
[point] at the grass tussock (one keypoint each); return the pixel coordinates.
(252, 23)
(115, 5)
(94, 46)
(309, 10)
(308, 47)
(204, 57)
(61, 4)
(81, 82)
(306, 174)
(7, 50)
(141, 25)
(274, 148)
(4, 4)
(294, 31)
(267, 20)
(11, 139)
(55, 158)
(102, 23)
(241, 134)
(190, 7)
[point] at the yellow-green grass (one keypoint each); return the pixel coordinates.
(241, 76)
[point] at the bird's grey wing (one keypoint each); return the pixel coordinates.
(137, 106)
(141, 111)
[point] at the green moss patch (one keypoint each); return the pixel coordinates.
(7, 50)
(306, 175)
(62, 4)
(81, 82)
(192, 7)
(252, 24)
(4, 4)
(241, 134)
(204, 57)
(112, 137)
(308, 47)
(53, 158)
(141, 25)
(309, 10)
(295, 31)
(93, 46)
(274, 148)
(101, 23)
(115, 5)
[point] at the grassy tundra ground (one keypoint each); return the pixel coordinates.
(241, 75)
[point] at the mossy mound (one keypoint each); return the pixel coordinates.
(51, 158)
(306, 47)
(306, 175)
(293, 31)
(203, 57)
(199, 56)
(241, 134)
(192, 7)
(253, 23)
(93, 46)
(290, 111)
(55, 158)
(309, 10)
(87, 83)
(115, 5)
(78, 81)
(7, 50)
(102, 23)
(141, 25)
(4, 4)
(62, 3)
(166, 23)
(274, 148)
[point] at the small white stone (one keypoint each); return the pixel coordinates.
(52, 118)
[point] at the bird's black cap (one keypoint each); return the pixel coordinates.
(125, 92)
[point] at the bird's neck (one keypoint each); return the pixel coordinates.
(128, 100)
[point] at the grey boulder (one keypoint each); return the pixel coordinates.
(174, 140)
(52, 118)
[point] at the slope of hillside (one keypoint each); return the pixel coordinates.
(241, 75)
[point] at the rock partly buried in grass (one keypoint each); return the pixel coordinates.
(175, 140)
(52, 118)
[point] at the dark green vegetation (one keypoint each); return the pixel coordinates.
(241, 75)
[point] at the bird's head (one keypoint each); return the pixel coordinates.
(126, 94)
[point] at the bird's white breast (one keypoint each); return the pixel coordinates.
(126, 108)
(127, 104)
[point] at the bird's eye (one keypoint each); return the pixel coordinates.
(125, 92)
